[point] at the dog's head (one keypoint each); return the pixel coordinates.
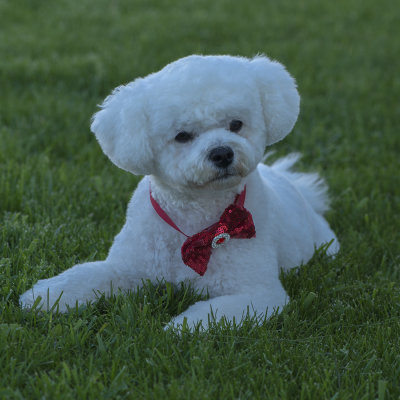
(202, 121)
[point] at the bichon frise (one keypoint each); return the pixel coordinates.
(207, 211)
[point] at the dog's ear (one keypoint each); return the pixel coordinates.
(121, 129)
(279, 97)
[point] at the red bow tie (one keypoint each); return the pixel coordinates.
(235, 222)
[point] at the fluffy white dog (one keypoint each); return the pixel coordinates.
(207, 211)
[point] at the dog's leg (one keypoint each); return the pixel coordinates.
(80, 283)
(257, 302)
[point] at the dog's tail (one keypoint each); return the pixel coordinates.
(312, 187)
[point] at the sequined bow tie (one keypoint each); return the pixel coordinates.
(235, 223)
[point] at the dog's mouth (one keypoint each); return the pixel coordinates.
(220, 180)
(223, 177)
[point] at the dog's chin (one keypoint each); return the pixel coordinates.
(225, 181)
(219, 182)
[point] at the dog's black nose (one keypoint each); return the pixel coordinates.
(221, 157)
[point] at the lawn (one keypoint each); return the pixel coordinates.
(62, 202)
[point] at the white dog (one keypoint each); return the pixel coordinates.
(207, 211)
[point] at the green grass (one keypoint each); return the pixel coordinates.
(62, 201)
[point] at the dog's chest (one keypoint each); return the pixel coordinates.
(233, 263)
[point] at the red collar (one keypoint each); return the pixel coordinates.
(235, 222)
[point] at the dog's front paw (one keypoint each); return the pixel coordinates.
(28, 299)
(43, 295)
(186, 323)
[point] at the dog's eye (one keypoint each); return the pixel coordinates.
(235, 125)
(183, 137)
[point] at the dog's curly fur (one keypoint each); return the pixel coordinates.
(137, 128)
